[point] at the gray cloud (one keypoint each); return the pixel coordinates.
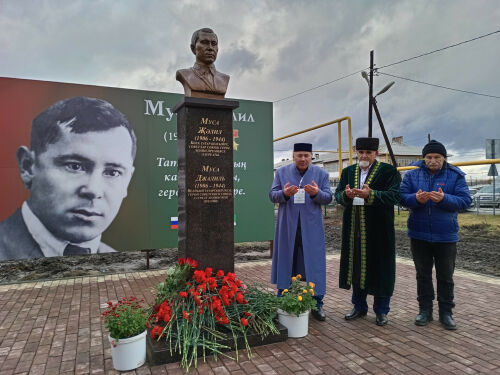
(274, 49)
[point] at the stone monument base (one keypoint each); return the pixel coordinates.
(158, 352)
(205, 180)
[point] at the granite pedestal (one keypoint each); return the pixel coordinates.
(158, 352)
(205, 178)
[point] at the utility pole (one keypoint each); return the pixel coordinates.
(428, 137)
(373, 104)
(387, 142)
(370, 96)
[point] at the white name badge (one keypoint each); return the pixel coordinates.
(357, 201)
(300, 197)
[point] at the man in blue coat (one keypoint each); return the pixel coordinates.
(434, 192)
(299, 241)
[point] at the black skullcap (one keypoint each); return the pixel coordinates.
(367, 143)
(434, 147)
(303, 147)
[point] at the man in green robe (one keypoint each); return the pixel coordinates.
(368, 191)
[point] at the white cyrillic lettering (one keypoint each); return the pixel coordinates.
(158, 107)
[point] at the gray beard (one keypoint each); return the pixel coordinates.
(364, 164)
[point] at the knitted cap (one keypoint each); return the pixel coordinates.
(434, 147)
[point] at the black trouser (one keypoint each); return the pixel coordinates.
(443, 254)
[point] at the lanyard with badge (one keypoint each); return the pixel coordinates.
(358, 201)
(300, 196)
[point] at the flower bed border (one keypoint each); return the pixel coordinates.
(158, 352)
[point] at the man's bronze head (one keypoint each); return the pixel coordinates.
(205, 46)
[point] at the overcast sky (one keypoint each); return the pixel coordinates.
(275, 49)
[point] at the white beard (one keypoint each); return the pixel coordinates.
(364, 164)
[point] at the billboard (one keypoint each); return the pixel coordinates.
(130, 196)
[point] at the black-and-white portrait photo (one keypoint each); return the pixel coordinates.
(77, 169)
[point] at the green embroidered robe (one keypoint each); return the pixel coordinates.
(368, 255)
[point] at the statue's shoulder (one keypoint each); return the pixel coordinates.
(222, 75)
(184, 73)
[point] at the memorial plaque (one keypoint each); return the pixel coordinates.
(205, 178)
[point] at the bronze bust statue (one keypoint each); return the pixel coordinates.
(202, 80)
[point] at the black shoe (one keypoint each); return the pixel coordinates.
(381, 319)
(354, 314)
(424, 316)
(447, 321)
(319, 314)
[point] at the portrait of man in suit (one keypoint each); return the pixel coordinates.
(203, 80)
(77, 171)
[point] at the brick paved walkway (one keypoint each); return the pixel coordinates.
(54, 327)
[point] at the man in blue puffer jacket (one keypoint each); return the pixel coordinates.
(434, 192)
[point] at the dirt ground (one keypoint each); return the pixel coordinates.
(478, 251)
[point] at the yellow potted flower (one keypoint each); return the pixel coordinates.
(295, 303)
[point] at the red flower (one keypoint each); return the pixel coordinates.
(208, 271)
(220, 273)
(183, 294)
(156, 331)
(240, 298)
(212, 283)
(193, 263)
(244, 322)
(181, 261)
(110, 303)
(185, 315)
(164, 312)
(202, 288)
(199, 276)
(247, 313)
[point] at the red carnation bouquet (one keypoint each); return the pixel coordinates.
(199, 309)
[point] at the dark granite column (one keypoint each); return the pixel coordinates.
(205, 178)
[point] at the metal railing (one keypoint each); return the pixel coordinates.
(459, 164)
(464, 164)
(339, 131)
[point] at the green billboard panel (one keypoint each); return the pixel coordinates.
(147, 217)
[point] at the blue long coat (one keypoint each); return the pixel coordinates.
(311, 222)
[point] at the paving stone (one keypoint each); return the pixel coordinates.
(41, 334)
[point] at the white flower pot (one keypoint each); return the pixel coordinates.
(128, 353)
(297, 325)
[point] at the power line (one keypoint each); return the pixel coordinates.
(442, 87)
(440, 49)
(317, 87)
(385, 66)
